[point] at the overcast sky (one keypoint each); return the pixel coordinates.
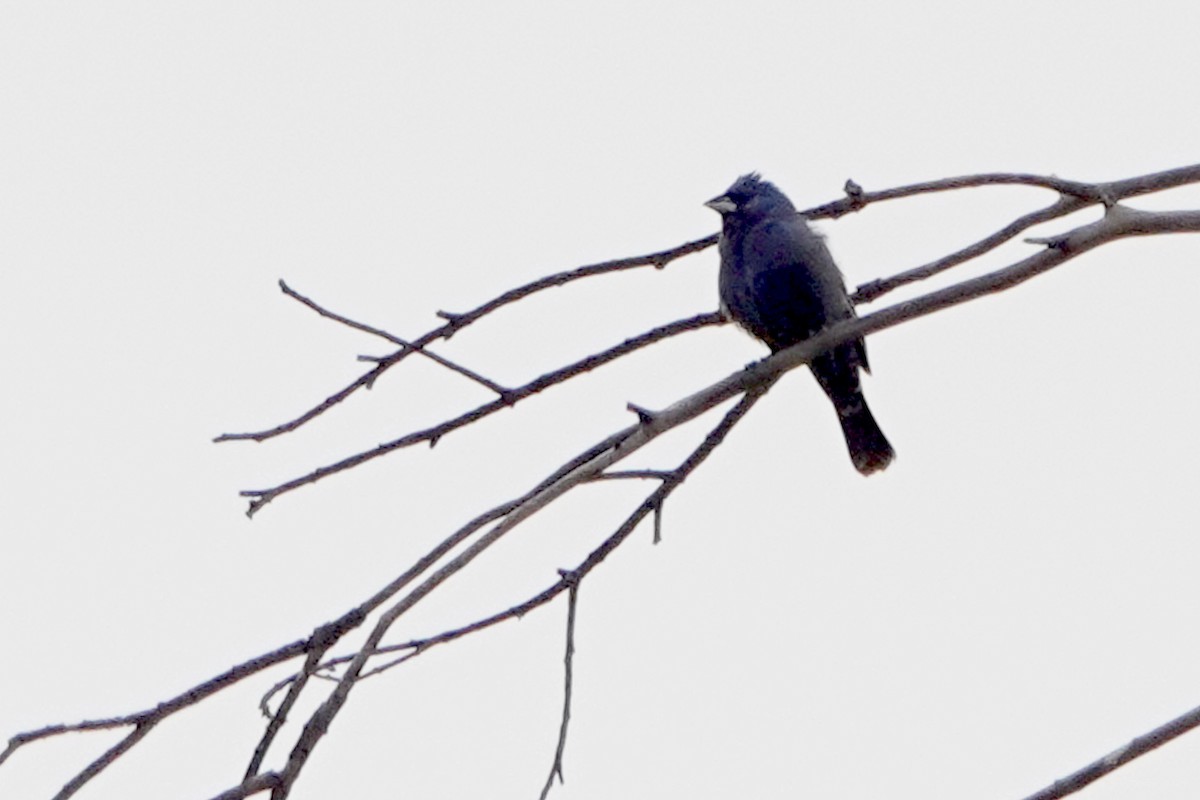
(1012, 599)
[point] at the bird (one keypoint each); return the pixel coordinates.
(779, 282)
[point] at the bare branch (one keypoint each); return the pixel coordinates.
(161, 711)
(856, 199)
(596, 462)
(556, 768)
(1106, 193)
(1073, 193)
(1074, 196)
(613, 475)
(433, 434)
(406, 345)
(874, 289)
(358, 326)
(1125, 222)
(109, 756)
(320, 720)
(251, 786)
(455, 322)
(657, 260)
(1121, 222)
(277, 720)
(1120, 757)
(327, 634)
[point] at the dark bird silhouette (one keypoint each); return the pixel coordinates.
(779, 282)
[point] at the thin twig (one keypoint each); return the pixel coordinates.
(433, 434)
(1073, 196)
(163, 710)
(251, 786)
(456, 322)
(319, 645)
(403, 343)
(434, 555)
(1104, 192)
(556, 768)
(873, 290)
(627, 474)
(857, 199)
(106, 758)
(318, 723)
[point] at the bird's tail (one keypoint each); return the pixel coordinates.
(869, 448)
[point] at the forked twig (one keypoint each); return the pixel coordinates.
(556, 768)
(260, 497)
(456, 322)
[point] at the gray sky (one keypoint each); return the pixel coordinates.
(1013, 598)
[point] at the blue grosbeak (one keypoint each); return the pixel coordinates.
(779, 282)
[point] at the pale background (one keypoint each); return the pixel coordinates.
(1012, 599)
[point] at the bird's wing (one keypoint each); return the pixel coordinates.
(797, 288)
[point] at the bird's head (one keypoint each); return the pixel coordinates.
(751, 198)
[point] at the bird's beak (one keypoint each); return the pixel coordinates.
(722, 205)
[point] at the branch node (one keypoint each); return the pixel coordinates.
(454, 322)
(257, 503)
(868, 291)
(1056, 242)
(645, 416)
(326, 635)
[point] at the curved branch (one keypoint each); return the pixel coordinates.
(456, 322)
(144, 721)
(1073, 196)
(107, 757)
(857, 199)
(433, 434)
(1106, 192)
(872, 290)
(319, 722)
